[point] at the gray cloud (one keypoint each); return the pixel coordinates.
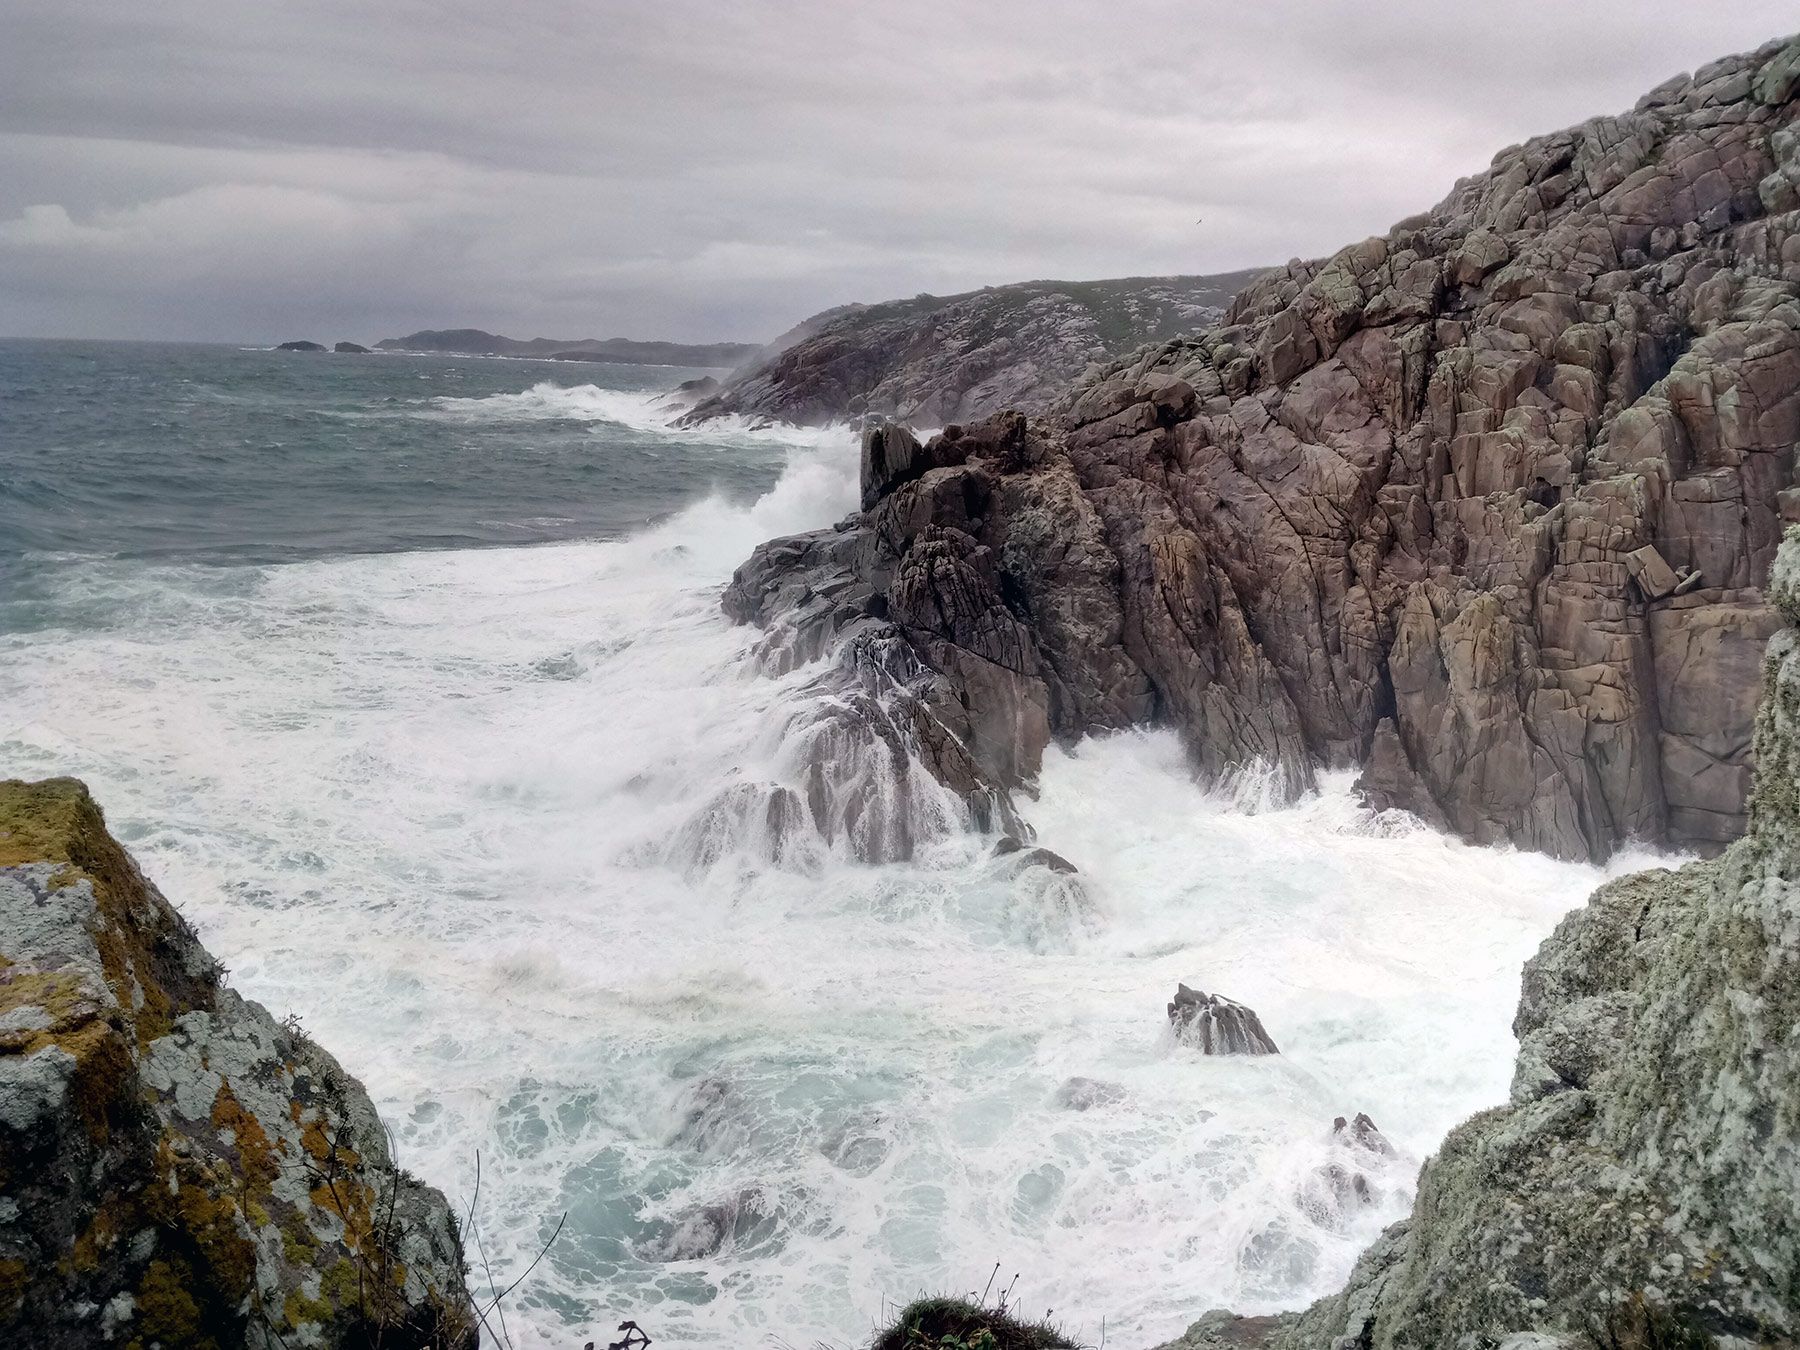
(703, 171)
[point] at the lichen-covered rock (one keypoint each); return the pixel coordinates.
(176, 1167)
(1642, 1186)
(1485, 504)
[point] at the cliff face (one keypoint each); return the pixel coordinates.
(1642, 1187)
(1485, 505)
(934, 359)
(177, 1168)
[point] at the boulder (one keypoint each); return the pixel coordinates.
(300, 347)
(176, 1166)
(1654, 577)
(1214, 1025)
(1025, 855)
(350, 349)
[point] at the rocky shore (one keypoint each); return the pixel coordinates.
(177, 1168)
(1484, 506)
(1642, 1185)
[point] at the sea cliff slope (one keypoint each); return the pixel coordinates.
(1642, 1185)
(177, 1168)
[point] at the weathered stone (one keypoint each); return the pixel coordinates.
(1654, 577)
(177, 1168)
(1214, 1025)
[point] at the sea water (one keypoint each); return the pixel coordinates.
(406, 679)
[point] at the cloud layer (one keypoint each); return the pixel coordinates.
(700, 171)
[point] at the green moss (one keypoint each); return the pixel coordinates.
(299, 1309)
(15, 1279)
(56, 821)
(958, 1324)
(341, 1284)
(166, 1311)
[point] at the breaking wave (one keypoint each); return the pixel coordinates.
(521, 834)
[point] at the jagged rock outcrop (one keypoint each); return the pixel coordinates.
(176, 1167)
(1216, 1025)
(1484, 505)
(937, 359)
(1642, 1186)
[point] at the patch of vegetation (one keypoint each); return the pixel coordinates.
(962, 1324)
(1636, 1323)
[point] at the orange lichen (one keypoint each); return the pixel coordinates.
(256, 1157)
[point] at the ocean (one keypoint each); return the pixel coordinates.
(405, 678)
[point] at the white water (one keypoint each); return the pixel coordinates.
(435, 803)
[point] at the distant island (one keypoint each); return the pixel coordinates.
(625, 351)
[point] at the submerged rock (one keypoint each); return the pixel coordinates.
(1214, 1025)
(1435, 504)
(1025, 855)
(1084, 1094)
(1342, 1186)
(176, 1167)
(1361, 1133)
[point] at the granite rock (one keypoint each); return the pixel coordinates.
(177, 1167)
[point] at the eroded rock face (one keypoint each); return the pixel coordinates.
(1485, 504)
(1645, 1174)
(177, 1168)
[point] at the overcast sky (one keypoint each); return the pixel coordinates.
(704, 171)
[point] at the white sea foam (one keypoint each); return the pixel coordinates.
(436, 804)
(645, 411)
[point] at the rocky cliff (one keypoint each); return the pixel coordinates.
(1642, 1186)
(936, 359)
(176, 1167)
(1484, 505)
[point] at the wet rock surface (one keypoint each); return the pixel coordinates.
(933, 360)
(1642, 1185)
(1214, 1025)
(1485, 504)
(176, 1167)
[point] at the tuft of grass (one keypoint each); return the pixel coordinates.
(960, 1324)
